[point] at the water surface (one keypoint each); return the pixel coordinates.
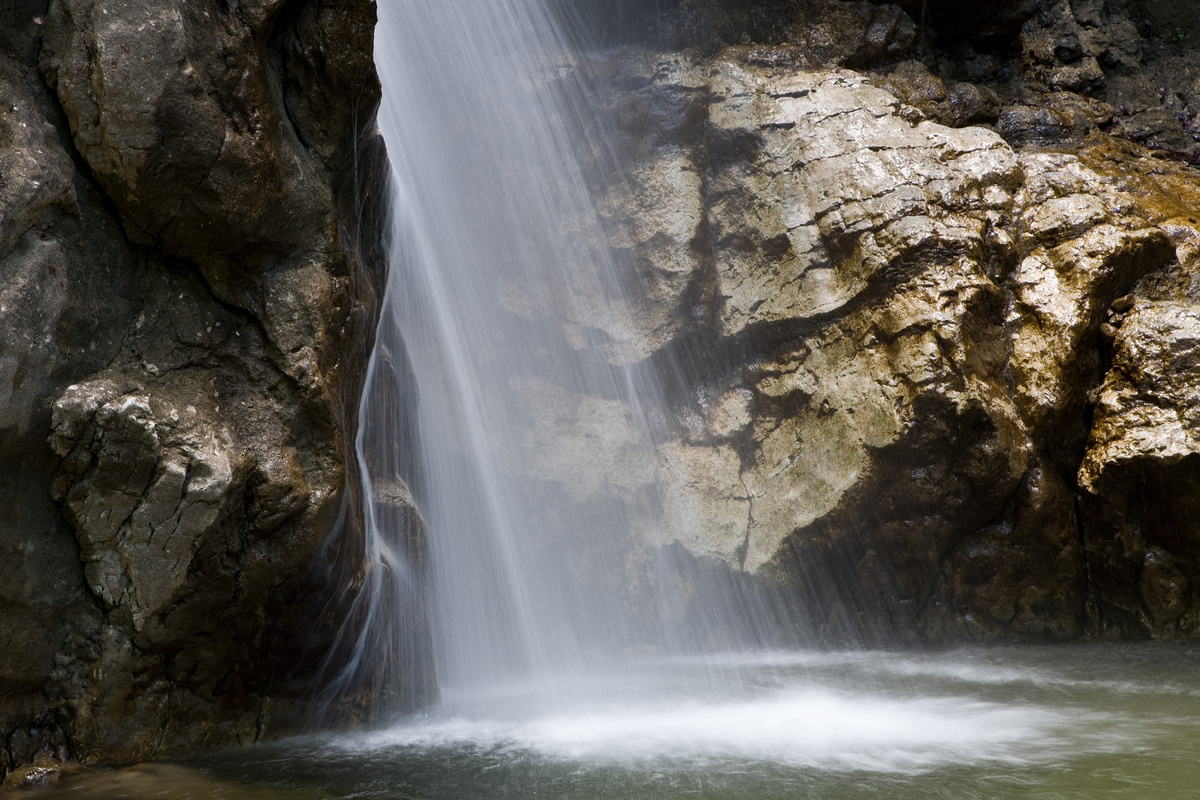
(1073, 721)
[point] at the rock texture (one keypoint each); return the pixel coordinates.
(928, 381)
(1138, 474)
(190, 219)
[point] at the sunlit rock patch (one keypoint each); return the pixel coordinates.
(899, 327)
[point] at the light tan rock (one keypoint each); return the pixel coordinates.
(917, 315)
(824, 192)
(1062, 295)
(1149, 406)
(649, 199)
(705, 505)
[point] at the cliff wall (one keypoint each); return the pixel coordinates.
(191, 216)
(923, 282)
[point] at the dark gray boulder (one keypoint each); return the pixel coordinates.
(191, 215)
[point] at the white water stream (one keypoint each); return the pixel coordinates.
(482, 116)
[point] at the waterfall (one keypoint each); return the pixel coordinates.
(485, 116)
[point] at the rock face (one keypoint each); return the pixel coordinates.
(1138, 475)
(928, 381)
(190, 219)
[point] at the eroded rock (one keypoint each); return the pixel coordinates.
(823, 193)
(1142, 469)
(190, 254)
(143, 486)
(1024, 575)
(898, 332)
(175, 116)
(907, 324)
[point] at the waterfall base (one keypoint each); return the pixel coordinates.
(1065, 722)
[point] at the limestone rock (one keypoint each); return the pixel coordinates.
(1141, 472)
(1006, 331)
(706, 505)
(585, 444)
(906, 327)
(826, 193)
(1077, 263)
(1138, 474)
(650, 205)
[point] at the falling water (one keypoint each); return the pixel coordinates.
(484, 115)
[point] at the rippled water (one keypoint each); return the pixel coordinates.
(1077, 721)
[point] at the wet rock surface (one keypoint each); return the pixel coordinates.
(939, 376)
(190, 262)
(1139, 471)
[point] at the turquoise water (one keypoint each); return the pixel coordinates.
(1077, 721)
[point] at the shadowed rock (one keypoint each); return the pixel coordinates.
(190, 253)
